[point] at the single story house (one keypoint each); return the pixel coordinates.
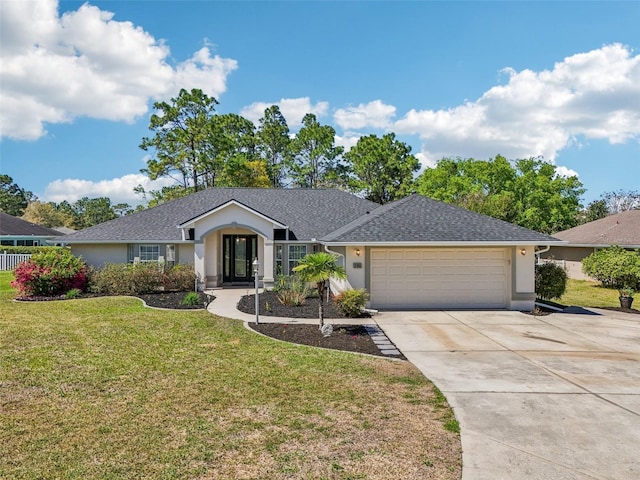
(412, 253)
(15, 231)
(622, 229)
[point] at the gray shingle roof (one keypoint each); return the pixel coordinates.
(420, 219)
(309, 213)
(10, 225)
(620, 229)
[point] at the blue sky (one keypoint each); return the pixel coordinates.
(468, 79)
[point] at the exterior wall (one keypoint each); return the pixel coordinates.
(355, 265)
(97, 255)
(523, 284)
(184, 253)
(572, 258)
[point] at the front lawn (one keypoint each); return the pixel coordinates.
(104, 388)
(585, 293)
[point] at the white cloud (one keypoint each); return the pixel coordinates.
(566, 172)
(374, 114)
(118, 190)
(591, 95)
(84, 63)
(293, 110)
(348, 140)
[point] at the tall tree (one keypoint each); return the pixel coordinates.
(13, 198)
(621, 200)
(527, 192)
(165, 194)
(594, 211)
(87, 212)
(273, 144)
(383, 168)
(47, 215)
(182, 144)
(316, 158)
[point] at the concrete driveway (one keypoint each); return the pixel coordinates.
(551, 397)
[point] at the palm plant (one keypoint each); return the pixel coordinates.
(319, 267)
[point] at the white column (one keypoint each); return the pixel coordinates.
(266, 263)
(198, 261)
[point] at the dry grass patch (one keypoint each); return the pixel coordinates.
(104, 388)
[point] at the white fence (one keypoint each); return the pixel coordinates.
(560, 263)
(9, 261)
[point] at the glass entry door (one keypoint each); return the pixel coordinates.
(238, 253)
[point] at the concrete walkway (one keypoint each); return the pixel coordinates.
(552, 397)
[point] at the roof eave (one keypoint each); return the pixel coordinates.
(99, 242)
(446, 244)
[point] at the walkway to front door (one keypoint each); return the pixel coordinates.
(238, 253)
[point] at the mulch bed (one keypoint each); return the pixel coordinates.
(173, 300)
(272, 307)
(349, 338)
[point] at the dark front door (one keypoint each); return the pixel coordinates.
(238, 252)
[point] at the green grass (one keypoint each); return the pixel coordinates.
(584, 293)
(104, 388)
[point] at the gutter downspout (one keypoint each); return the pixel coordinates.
(538, 252)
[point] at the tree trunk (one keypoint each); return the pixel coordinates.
(321, 303)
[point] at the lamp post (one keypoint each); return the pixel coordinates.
(256, 270)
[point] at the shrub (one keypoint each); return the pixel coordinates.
(111, 279)
(29, 250)
(133, 279)
(351, 302)
(192, 299)
(291, 290)
(614, 267)
(73, 293)
(49, 273)
(179, 278)
(291, 298)
(146, 277)
(551, 281)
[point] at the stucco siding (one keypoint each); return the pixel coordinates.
(98, 255)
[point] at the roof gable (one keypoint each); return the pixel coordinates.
(420, 219)
(619, 229)
(192, 221)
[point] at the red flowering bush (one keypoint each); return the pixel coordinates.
(50, 273)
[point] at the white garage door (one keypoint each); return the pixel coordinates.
(439, 278)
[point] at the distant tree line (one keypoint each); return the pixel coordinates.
(199, 149)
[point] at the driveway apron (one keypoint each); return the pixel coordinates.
(549, 397)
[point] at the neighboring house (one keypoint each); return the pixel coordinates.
(413, 253)
(622, 229)
(18, 232)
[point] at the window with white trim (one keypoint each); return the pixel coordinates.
(296, 253)
(130, 253)
(149, 253)
(279, 259)
(170, 253)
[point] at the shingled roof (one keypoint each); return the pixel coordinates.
(420, 219)
(330, 215)
(621, 229)
(10, 225)
(309, 213)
